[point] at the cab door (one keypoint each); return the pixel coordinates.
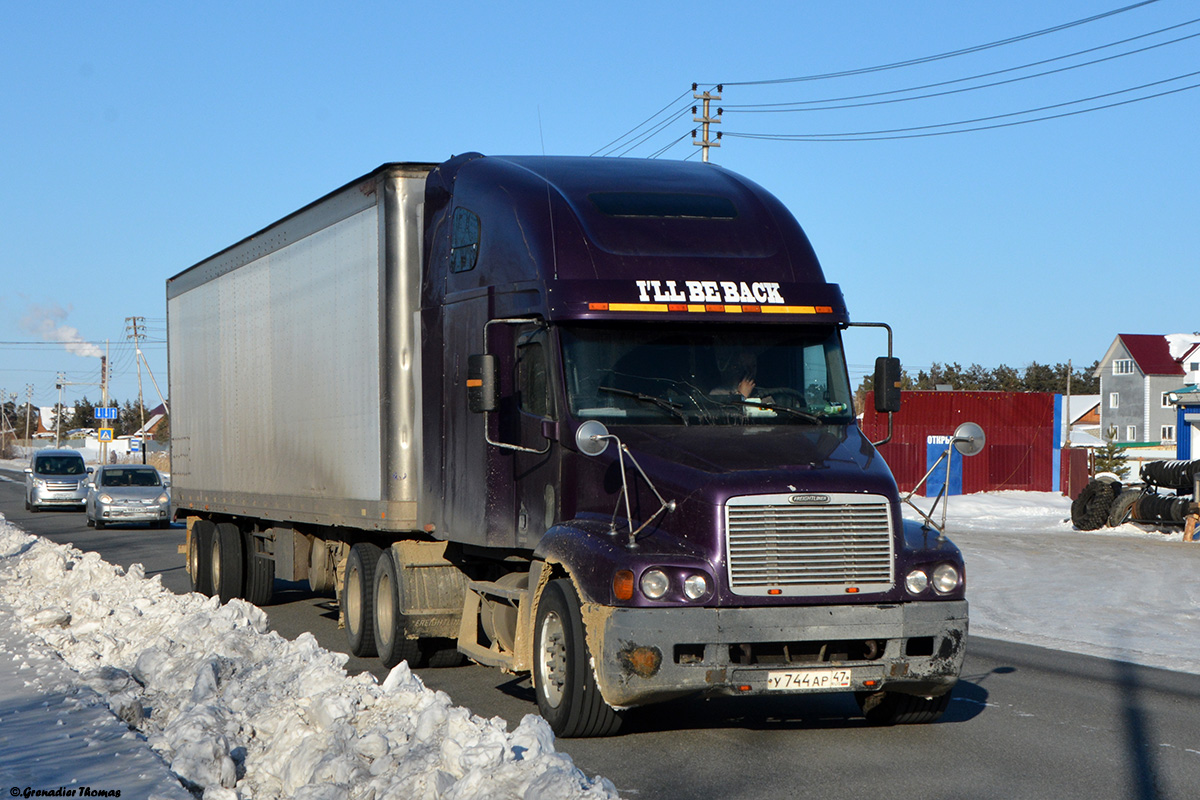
(537, 467)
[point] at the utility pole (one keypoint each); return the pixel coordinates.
(62, 378)
(706, 120)
(137, 338)
(28, 412)
(104, 398)
(7, 425)
(1068, 442)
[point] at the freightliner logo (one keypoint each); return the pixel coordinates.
(802, 499)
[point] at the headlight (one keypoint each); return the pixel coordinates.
(105, 498)
(654, 583)
(696, 586)
(945, 578)
(38, 482)
(162, 499)
(916, 581)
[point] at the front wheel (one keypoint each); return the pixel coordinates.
(893, 708)
(567, 694)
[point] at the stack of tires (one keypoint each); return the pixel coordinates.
(1090, 510)
(1106, 501)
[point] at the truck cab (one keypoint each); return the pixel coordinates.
(643, 385)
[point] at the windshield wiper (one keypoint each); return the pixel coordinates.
(807, 415)
(674, 408)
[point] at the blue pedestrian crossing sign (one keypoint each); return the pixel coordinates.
(105, 433)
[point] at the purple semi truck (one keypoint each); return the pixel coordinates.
(584, 418)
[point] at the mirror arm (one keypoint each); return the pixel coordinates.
(887, 328)
(486, 434)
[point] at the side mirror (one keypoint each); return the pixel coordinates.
(887, 384)
(482, 393)
(591, 438)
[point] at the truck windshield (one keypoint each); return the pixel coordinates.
(655, 374)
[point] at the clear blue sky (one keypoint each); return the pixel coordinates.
(139, 138)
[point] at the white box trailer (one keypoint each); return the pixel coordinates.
(294, 363)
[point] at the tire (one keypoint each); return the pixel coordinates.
(200, 556)
(565, 685)
(357, 598)
(99, 524)
(1122, 507)
(228, 562)
(259, 574)
(391, 641)
(1089, 511)
(894, 708)
(90, 522)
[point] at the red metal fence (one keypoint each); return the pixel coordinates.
(1019, 430)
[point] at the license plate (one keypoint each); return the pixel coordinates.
(808, 679)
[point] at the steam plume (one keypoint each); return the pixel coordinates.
(46, 322)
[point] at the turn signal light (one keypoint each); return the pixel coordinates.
(623, 585)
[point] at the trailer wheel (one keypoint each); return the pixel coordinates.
(228, 562)
(200, 556)
(260, 573)
(358, 596)
(391, 641)
(894, 708)
(1122, 508)
(1089, 511)
(567, 695)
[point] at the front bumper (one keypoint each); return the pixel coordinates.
(651, 655)
(131, 513)
(41, 496)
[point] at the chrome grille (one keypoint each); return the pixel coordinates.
(61, 485)
(808, 544)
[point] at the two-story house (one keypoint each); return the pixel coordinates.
(1137, 375)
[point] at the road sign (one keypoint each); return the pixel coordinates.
(106, 412)
(135, 445)
(106, 434)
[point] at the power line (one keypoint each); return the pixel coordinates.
(943, 56)
(615, 143)
(903, 133)
(657, 130)
(811, 105)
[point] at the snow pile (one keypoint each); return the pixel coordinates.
(238, 711)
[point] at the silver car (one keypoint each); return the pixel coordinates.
(127, 493)
(55, 478)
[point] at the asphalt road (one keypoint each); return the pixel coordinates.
(1024, 722)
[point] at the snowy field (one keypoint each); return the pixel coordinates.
(237, 711)
(1127, 593)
